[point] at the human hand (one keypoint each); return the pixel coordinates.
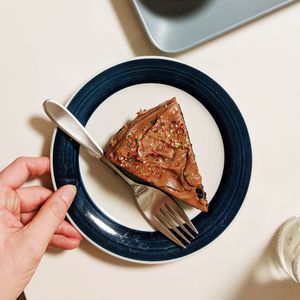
(31, 218)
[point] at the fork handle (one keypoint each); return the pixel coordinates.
(67, 122)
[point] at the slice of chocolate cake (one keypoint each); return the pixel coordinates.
(155, 147)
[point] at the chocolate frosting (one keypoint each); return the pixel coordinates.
(155, 147)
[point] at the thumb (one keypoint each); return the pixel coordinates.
(50, 215)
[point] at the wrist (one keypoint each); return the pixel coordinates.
(8, 291)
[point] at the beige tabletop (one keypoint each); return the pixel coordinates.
(49, 48)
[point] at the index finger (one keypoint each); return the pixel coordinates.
(20, 170)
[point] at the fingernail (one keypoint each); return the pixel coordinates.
(68, 194)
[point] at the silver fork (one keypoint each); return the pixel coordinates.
(161, 212)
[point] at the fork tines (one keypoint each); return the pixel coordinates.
(173, 221)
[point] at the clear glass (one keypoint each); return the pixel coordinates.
(288, 247)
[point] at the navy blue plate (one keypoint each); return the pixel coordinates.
(143, 246)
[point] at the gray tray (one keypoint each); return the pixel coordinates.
(177, 25)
